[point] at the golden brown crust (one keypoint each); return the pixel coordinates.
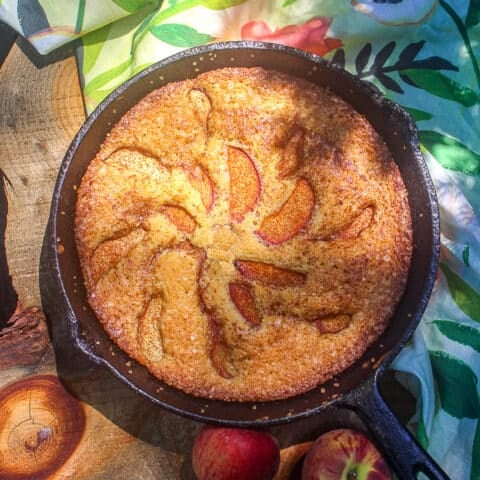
(245, 235)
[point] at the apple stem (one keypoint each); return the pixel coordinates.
(352, 475)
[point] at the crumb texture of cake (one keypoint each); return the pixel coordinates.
(245, 235)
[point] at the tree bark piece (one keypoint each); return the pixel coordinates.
(25, 340)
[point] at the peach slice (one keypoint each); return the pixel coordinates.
(355, 227)
(180, 218)
(333, 323)
(220, 353)
(269, 274)
(243, 299)
(111, 251)
(292, 153)
(292, 216)
(201, 103)
(245, 186)
(202, 182)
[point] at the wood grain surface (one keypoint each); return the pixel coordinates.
(62, 417)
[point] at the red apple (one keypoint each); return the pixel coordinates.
(221, 453)
(344, 454)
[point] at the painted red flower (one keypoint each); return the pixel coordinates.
(309, 36)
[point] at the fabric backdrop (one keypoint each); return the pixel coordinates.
(421, 53)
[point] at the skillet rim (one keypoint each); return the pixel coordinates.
(368, 90)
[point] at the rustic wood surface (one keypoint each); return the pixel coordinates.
(63, 418)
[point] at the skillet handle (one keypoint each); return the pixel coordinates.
(401, 449)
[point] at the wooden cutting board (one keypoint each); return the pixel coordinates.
(61, 417)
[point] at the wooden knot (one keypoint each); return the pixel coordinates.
(40, 427)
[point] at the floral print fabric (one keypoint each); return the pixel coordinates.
(423, 54)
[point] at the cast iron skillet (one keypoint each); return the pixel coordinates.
(357, 387)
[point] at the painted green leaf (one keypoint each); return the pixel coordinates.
(101, 80)
(140, 32)
(460, 333)
(467, 299)
(139, 68)
(180, 35)
(132, 5)
(466, 255)
(475, 468)
(286, 3)
(363, 57)
(421, 433)
(80, 16)
(450, 153)
(339, 57)
(95, 97)
(418, 115)
(93, 43)
(438, 84)
(457, 385)
(389, 82)
(220, 4)
(473, 15)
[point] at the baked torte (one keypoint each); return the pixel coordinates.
(245, 235)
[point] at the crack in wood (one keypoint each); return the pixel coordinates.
(8, 295)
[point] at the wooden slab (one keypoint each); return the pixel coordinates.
(41, 111)
(84, 425)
